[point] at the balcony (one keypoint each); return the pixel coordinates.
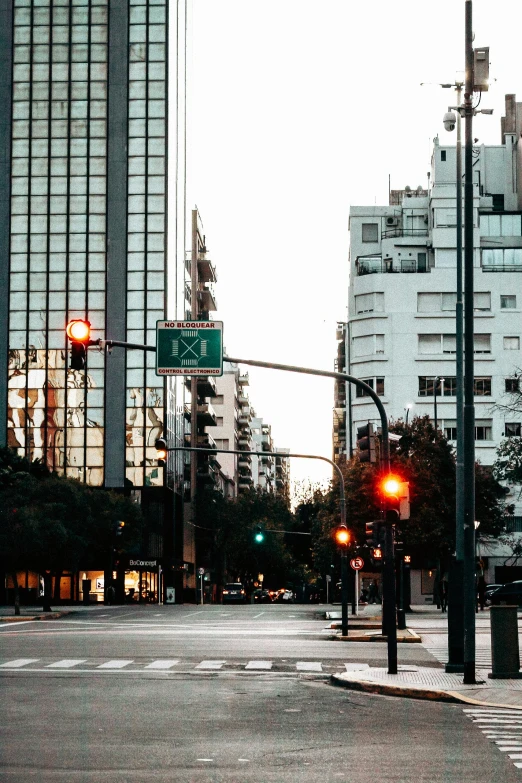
(245, 464)
(244, 442)
(243, 379)
(370, 265)
(207, 299)
(242, 400)
(206, 415)
(206, 270)
(405, 232)
(206, 441)
(243, 420)
(207, 386)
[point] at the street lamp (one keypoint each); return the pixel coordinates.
(437, 382)
(407, 409)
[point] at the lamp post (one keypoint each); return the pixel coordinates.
(437, 383)
(408, 409)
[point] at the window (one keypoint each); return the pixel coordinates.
(501, 225)
(450, 429)
(482, 300)
(449, 343)
(425, 387)
(511, 343)
(512, 385)
(446, 217)
(483, 430)
(222, 443)
(370, 232)
(508, 301)
(482, 343)
(368, 344)
(513, 429)
(369, 303)
(373, 383)
(429, 343)
(428, 303)
(448, 301)
(482, 387)
(218, 400)
(446, 387)
(219, 421)
(443, 155)
(506, 258)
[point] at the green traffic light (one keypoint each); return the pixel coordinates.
(259, 537)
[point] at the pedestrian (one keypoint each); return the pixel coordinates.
(364, 596)
(443, 593)
(373, 593)
(481, 592)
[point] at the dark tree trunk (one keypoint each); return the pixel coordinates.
(46, 598)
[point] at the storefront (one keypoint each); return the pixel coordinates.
(141, 583)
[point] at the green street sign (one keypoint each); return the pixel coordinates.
(189, 347)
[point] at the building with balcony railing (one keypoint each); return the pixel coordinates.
(402, 297)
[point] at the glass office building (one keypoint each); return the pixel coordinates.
(84, 169)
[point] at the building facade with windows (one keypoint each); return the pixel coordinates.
(402, 295)
(91, 91)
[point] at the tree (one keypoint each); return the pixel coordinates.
(512, 399)
(508, 464)
(49, 523)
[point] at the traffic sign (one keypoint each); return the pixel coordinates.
(189, 348)
(357, 563)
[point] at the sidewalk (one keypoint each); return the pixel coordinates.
(423, 682)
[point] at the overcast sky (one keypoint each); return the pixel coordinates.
(300, 109)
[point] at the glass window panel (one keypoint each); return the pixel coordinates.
(135, 336)
(17, 339)
(137, 128)
(77, 242)
(22, 54)
(135, 299)
(156, 51)
(58, 262)
(137, 33)
(41, 72)
(156, 165)
(152, 317)
(137, 108)
(138, 52)
(156, 184)
(77, 262)
(58, 205)
(156, 204)
(96, 282)
(78, 109)
(96, 242)
(137, 90)
(20, 185)
(22, 35)
(156, 127)
(20, 129)
(138, 70)
(19, 224)
(155, 301)
(136, 204)
(57, 320)
(135, 377)
(21, 72)
(151, 377)
(19, 243)
(135, 261)
(482, 343)
(77, 224)
(97, 185)
(77, 204)
(136, 242)
(17, 301)
(155, 261)
(155, 281)
(57, 243)
(494, 225)
(37, 282)
(18, 262)
(137, 222)
(76, 281)
(57, 300)
(97, 205)
(156, 223)
(17, 320)
(136, 185)
(39, 186)
(98, 109)
(136, 281)
(99, 34)
(78, 185)
(155, 242)
(57, 281)
(99, 72)
(20, 167)
(135, 319)
(38, 224)
(157, 108)
(21, 110)
(97, 223)
(38, 262)
(78, 128)
(138, 15)
(78, 148)
(137, 146)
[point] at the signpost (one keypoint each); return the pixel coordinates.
(357, 563)
(189, 347)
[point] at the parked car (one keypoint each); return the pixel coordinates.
(488, 592)
(285, 596)
(234, 592)
(510, 593)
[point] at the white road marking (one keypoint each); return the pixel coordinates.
(114, 664)
(67, 663)
(161, 664)
(5, 626)
(258, 615)
(309, 666)
(259, 665)
(19, 662)
(210, 665)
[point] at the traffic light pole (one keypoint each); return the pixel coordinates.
(389, 599)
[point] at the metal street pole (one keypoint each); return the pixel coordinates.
(455, 593)
(469, 410)
(435, 384)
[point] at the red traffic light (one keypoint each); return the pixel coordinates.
(342, 536)
(78, 331)
(391, 485)
(377, 554)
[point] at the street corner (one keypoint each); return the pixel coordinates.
(403, 637)
(378, 681)
(31, 618)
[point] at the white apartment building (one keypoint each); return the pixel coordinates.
(402, 294)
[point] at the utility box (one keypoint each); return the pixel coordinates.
(481, 69)
(170, 595)
(505, 654)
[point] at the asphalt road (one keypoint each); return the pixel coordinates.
(84, 702)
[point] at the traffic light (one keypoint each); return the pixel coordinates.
(259, 535)
(118, 528)
(161, 448)
(377, 554)
(79, 333)
(391, 487)
(366, 450)
(372, 533)
(342, 536)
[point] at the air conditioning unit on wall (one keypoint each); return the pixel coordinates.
(392, 221)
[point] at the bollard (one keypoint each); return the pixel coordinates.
(505, 655)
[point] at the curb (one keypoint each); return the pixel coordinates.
(412, 639)
(410, 692)
(32, 618)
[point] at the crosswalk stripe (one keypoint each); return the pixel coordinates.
(114, 665)
(19, 662)
(161, 664)
(210, 665)
(309, 666)
(67, 663)
(259, 665)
